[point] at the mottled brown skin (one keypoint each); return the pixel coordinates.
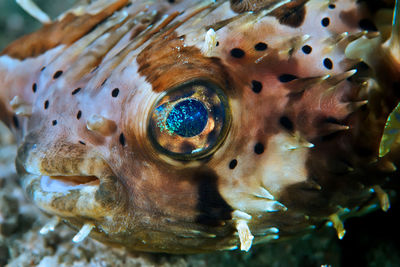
(162, 66)
(117, 63)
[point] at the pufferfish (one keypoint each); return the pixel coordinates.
(195, 126)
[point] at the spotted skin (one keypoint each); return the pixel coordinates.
(301, 145)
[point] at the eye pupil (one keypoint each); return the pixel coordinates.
(188, 118)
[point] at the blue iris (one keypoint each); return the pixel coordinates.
(188, 118)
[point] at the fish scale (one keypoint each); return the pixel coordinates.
(294, 96)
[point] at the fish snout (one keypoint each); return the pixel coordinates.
(69, 182)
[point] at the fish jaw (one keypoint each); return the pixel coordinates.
(115, 222)
(72, 185)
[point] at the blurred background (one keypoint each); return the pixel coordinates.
(14, 21)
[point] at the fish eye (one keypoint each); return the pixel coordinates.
(190, 121)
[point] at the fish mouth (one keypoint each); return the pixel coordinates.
(73, 196)
(66, 183)
(78, 190)
(91, 202)
(86, 202)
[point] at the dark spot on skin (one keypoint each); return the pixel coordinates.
(367, 25)
(259, 148)
(43, 68)
(212, 208)
(325, 22)
(328, 63)
(15, 121)
(306, 49)
(104, 82)
(79, 115)
(115, 92)
(286, 123)
(34, 87)
(46, 104)
(171, 1)
(217, 44)
(256, 86)
(57, 74)
(331, 6)
(122, 139)
(54, 123)
(261, 46)
(284, 78)
(77, 90)
(233, 164)
(237, 53)
(83, 143)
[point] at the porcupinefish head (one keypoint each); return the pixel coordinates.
(190, 126)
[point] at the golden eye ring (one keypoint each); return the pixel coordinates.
(190, 121)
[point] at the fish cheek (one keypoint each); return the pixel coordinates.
(212, 208)
(110, 194)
